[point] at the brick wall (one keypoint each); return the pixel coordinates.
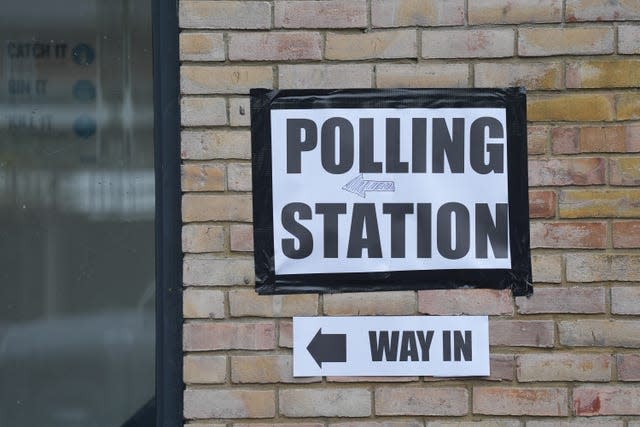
(567, 356)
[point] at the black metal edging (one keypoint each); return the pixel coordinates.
(166, 90)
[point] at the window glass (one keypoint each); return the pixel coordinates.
(77, 287)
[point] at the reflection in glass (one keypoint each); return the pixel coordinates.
(77, 322)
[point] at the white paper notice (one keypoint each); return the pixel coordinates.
(372, 190)
(451, 346)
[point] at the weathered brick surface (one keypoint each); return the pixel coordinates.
(628, 106)
(465, 301)
(203, 111)
(556, 235)
(246, 302)
(208, 207)
(629, 39)
(204, 369)
(229, 335)
(202, 238)
(214, 403)
(600, 332)
(377, 44)
(325, 76)
(521, 333)
(603, 73)
(628, 367)
(409, 423)
(546, 268)
(211, 270)
(239, 112)
(285, 339)
(262, 369)
(564, 366)
(422, 75)
(205, 79)
(321, 14)
(563, 300)
(559, 172)
(548, 41)
(476, 43)
(538, 139)
(285, 46)
(370, 304)
(582, 107)
(606, 400)
(577, 422)
(239, 176)
(338, 402)
(542, 204)
(201, 46)
(602, 10)
(542, 401)
(451, 401)
(421, 13)
(202, 177)
(621, 203)
(502, 367)
(223, 144)
(625, 300)
(602, 139)
(241, 237)
(624, 171)
(595, 267)
(202, 303)
(514, 12)
(225, 14)
(530, 75)
(626, 234)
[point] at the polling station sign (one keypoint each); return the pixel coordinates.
(357, 190)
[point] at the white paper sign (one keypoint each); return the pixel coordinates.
(372, 190)
(449, 346)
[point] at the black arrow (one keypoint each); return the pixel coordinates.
(328, 348)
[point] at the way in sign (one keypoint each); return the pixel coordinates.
(391, 346)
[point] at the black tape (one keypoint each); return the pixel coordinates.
(518, 278)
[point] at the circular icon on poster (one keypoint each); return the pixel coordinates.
(83, 54)
(84, 91)
(84, 126)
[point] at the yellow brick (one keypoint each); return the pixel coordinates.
(509, 12)
(201, 47)
(570, 107)
(203, 79)
(610, 203)
(422, 75)
(598, 73)
(202, 177)
(539, 41)
(379, 44)
(206, 207)
(628, 106)
(530, 75)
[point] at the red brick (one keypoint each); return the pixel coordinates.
(321, 14)
(285, 337)
(537, 139)
(465, 301)
(432, 401)
(626, 234)
(560, 235)
(502, 367)
(229, 335)
(542, 204)
(602, 139)
(563, 300)
(578, 171)
(284, 46)
(606, 400)
(521, 333)
(628, 367)
(547, 401)
(241, 237)
(565, 140)
(207, 403)
(564, 366)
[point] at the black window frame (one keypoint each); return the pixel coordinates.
(166, 103)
